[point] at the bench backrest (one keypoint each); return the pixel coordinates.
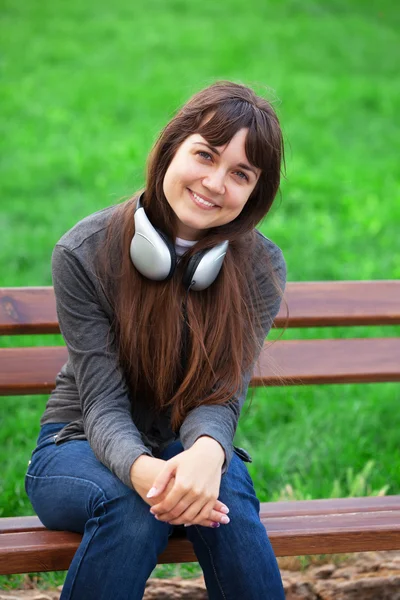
(284, 362)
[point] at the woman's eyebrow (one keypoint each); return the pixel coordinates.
(244, 166)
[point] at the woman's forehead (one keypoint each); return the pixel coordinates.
(237, 141)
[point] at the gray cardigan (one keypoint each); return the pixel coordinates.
(91, 395)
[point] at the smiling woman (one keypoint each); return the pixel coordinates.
(164, 302)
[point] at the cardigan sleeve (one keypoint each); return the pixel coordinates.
(219, 421)
(104, 397)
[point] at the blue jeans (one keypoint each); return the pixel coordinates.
(70, 489)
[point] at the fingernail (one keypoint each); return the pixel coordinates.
(225, 520)
(152, 492)
(158, 518)
(215, 525)
(224, 509)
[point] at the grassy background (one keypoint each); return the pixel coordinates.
(86, 89)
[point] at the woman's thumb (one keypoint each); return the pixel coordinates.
(161, 481)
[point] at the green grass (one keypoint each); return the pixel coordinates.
(86, 88)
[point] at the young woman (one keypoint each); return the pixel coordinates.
(164, 302)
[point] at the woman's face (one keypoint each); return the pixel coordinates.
(221, 177)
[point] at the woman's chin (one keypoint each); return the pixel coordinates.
(190, 233)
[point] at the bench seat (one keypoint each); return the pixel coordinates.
(294, 528)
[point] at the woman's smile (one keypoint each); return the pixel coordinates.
(201, 202)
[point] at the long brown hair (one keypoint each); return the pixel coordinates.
(223, 319)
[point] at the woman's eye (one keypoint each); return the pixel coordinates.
(205, 155)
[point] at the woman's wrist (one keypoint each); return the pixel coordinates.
(139, 467)
(209, 442)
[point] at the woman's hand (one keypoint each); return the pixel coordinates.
(197, 479)
(145, 471)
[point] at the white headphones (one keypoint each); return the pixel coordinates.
(154, 256)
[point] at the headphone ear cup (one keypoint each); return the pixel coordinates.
(191, 268)
(203, 268)
(172, 251)
(152, 253)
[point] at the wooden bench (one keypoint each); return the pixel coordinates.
(295, 528)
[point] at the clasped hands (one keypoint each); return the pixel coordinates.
(187, 485)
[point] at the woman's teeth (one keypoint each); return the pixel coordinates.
(201, 200)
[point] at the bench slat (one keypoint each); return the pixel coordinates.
(30, 370)
(45, 550)
(296, 362)
(325, 303)
(326, 506)
(291, 362)
(334, 303)
(323, 506)
(28, 310)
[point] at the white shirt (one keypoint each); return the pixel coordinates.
(182, 245)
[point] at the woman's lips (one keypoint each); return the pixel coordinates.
(199, 204)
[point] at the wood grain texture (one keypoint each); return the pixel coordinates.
(28, 310)
(30, 370)
(294, 362)
(305, 362)
(281, 509)
(333, 303)
(323, 527)
(311, 304)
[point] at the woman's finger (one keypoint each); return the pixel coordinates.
(219, 517)
(196, 512)
(204, 517)
(214, 523)
(176, 513)
(219, 510)
(221, 507)
(207, 523)
(209, 513)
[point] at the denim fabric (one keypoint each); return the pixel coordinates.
(70, 489)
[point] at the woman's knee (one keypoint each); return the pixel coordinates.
(68, 503)
(66, 484)
(64, 502)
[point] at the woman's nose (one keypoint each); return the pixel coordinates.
(215, 183)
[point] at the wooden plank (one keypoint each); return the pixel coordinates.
(28, 310)
(334, 303)
(306, 362)
(293, 508)
(326, 506)
(30, 370)
(37, 551)
(334, 533)
(292, 362)
(289, 536)
(311, 304)
(17, 524)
